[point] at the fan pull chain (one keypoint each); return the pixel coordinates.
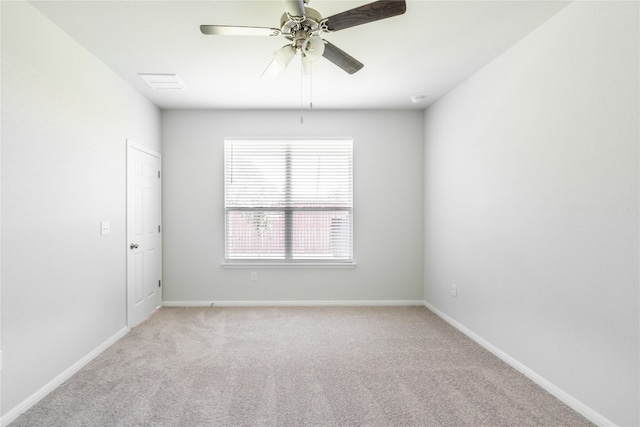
(310, 65)
(311, 86)
(301, 89)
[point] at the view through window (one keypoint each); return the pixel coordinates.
(289, 200)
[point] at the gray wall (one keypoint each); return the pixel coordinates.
(388, 208)
(65, 118)
(531, 205)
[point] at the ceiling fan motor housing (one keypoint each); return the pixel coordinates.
(300, 31)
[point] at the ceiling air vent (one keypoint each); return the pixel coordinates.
(162, 81)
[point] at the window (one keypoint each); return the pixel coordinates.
(289, 200)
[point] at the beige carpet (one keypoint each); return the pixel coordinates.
(298, 366)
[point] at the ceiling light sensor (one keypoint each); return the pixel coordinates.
(162, 81)
(417, 99)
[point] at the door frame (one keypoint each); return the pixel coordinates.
(130, 144)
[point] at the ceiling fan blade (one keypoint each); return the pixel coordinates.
(294, 7)
(364, 14)
(272, 71)
(230, 30)
(342, 59)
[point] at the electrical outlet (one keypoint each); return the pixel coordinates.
(254, 276)
(454, 290)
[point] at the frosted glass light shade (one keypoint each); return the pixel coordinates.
(284, 55)
(313, 48)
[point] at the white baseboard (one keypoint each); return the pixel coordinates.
(65, 375)
(563, 396)
(312, 303)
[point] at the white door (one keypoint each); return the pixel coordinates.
(144, 242)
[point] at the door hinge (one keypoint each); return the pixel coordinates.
(158, 174)
(158, 229)
(159, 283)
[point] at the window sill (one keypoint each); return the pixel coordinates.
(288, 265)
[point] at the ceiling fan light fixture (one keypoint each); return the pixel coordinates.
(313, 48)
(284, 55)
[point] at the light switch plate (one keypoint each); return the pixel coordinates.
(105, 228)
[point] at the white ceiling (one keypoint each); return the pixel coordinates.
(427, 51)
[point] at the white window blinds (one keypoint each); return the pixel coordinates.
(289, 200)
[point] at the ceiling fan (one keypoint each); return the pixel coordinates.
(302, 26)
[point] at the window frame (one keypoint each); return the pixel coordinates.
(288, 261)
